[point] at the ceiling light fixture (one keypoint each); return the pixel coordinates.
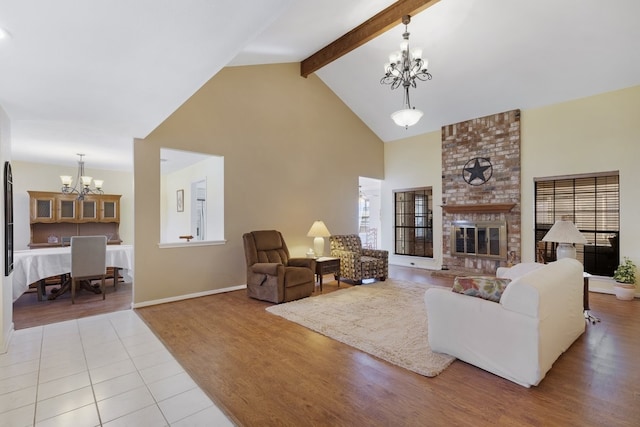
(84, 181)
(403, 68)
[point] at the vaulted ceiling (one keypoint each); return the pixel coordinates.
(88, 77)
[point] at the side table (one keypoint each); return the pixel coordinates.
(326, 265)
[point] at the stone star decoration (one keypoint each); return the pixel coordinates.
(477, 171)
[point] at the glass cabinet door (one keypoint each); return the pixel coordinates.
(88, 210)
(109, 210)
(67, 208)
(42, 210)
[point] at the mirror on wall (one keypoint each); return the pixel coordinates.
(191, 196)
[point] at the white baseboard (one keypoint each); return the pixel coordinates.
(9, 337)
(188, 296)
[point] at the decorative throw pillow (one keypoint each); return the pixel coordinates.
(489, 288)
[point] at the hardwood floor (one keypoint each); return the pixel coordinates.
(263, 370)
(29, 312)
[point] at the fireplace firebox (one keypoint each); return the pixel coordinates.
(479, 239)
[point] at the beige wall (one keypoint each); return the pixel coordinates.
(293, 153)
(594, 134)
(40, 177)
(411, 163)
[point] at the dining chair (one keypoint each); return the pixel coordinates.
(88, 261)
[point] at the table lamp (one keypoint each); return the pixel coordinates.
(565, 234)
(318, 231)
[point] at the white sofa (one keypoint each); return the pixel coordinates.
(540, 314)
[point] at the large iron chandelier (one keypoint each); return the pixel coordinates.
(83, 182)
(403, 68)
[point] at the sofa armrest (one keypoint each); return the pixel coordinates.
(484, 334)
(346, 256)
(303, 262)
(269, 268)
(376, 253)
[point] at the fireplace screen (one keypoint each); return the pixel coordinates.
(480, 239)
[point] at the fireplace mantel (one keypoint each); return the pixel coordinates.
(479, 208)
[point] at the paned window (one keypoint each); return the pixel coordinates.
(414, 222)
(592, 203)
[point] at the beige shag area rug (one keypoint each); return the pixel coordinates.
(386, 319)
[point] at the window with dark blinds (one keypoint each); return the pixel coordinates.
(592, 203)
(414, 222)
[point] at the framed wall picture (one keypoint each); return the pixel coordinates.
(180, 200)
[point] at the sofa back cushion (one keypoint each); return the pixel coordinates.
(266, 246)
(346, 242)
(517, 270)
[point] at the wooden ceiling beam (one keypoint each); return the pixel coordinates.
(366, 31)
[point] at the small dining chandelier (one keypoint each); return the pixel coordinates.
(403, 68)
(82, 186)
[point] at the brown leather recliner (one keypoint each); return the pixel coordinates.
(271, 274)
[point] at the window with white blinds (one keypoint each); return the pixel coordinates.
(592, 203)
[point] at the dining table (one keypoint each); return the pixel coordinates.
(33, 265)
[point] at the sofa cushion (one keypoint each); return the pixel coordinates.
(517, 270)
(489, 288)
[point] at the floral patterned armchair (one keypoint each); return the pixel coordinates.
(358, 263)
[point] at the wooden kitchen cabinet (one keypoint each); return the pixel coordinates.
(55, 217)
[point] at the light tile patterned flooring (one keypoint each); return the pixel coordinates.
(106, 370)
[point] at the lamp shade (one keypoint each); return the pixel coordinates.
(318, 229)
(564, 232)
(86, 180)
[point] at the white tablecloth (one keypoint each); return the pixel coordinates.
(32, 265)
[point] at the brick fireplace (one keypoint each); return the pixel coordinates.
(481, 185)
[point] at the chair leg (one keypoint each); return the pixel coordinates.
(73, 290)
(102, 287)
(42, 289)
